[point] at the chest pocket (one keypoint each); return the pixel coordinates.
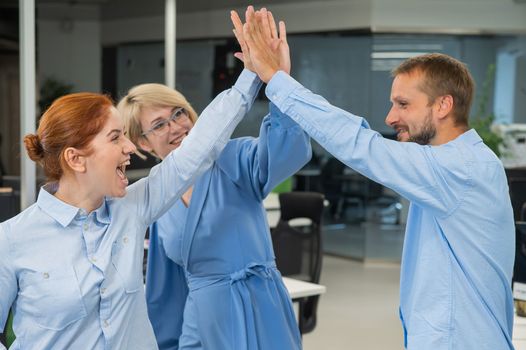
(52, 297)
(124, 258)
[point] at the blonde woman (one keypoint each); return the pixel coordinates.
(216, 237)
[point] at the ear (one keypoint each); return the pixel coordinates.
(444, 106)
(75, 159)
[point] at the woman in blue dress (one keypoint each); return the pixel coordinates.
(71, 264)
(210, 257)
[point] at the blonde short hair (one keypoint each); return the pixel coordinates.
(149, 96)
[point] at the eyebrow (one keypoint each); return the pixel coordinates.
(399, 99)
(162, 118)
(118, 131)
(156, 120)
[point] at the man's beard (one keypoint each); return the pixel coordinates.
(426, 133)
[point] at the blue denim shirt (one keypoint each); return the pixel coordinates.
(459, 248)
(74, 279)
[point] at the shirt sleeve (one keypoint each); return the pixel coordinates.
(259, 164)
(175, 174)
(8, 283)
(428, 175)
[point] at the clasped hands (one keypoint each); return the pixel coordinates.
(263, 50)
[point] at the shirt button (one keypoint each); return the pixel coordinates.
(93, 259)
(102, 290)
(45, 275)
(125, 239)
(86, 226)
(106, 323)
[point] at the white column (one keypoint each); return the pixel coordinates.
(169, 42)
(27, 99)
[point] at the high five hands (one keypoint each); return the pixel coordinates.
(264, 51)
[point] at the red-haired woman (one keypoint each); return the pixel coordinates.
(71, 264)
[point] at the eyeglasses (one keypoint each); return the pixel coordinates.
(161, 127)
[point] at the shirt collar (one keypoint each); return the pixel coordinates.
(63, 212)
(470, 136)
(102, 213)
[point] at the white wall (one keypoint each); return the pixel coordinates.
(70, 51)
(300, 18)
(448, 16)
(74, 55)
(510, 83)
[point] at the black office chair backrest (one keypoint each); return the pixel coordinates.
(517, 187)
(298, 250)
(9, 204)
(295, 205)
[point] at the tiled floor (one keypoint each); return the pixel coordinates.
(360, 308)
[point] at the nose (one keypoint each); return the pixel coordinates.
(174, 125)
(391, 118)
(128, 147)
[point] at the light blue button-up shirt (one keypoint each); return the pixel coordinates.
(455, 284)
(74, 279)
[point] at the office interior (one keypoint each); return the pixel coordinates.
(343, 50)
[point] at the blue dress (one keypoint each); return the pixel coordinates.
(233, 296)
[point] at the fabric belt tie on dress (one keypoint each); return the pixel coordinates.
(243, 330)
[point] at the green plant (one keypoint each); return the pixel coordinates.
(483, 119)
(10, 336)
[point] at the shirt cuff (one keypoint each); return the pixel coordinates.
(280, 87)
(280, 118)
(248, 83)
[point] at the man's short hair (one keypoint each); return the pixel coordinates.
(443, 75)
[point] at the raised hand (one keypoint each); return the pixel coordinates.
(281, 44)
(244, 55)
(264, 45)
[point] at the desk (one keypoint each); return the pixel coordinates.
(8, 190)
(300, 289)
(271, 202)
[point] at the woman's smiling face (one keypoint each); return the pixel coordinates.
(164, 128)
(109, 156)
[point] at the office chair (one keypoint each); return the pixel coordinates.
(517, 188)
(9, 204)
(519, 267)
(298, 250)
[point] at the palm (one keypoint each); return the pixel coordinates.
(283, 52)
(268, 51)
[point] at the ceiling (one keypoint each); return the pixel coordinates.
(113, 9)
